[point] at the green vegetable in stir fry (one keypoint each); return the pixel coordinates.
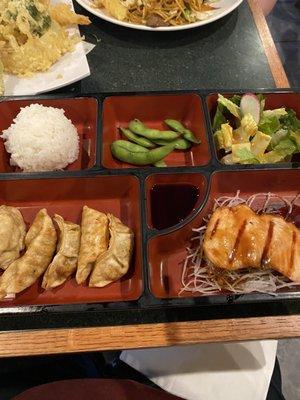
(246, 133)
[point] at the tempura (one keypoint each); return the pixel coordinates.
(33, 35)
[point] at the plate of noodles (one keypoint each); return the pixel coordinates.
(40, 46)
(160, 15)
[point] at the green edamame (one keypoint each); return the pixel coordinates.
(137, 139)
(160, 164)
(179, 144)
(179, 127)
(138, 155)
(140, 129)
(132, 147)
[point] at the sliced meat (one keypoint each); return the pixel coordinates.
(238, 238)
(282, 249)
(155, 21)
(251, 239)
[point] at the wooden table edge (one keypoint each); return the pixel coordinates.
(55, 341)
(276, 67)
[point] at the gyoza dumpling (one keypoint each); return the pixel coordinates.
(94, 241)
(41, 243)
(65, 261)
(114, 263)
(12, 234)
(1, 75)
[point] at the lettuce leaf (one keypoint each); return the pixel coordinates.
(286, 147)
(272, 157)
(223, 137)
(236, 99)
(249, 126)
(278, 112)
(290, 121)
(277, 137)
(269, 125)
(241, 153)
(226, 130)
(295, 137)
(219, 118)
(218, 138)
(227, 160)
(230, 106)
(281, 152)
(239, 136)
(259, 143)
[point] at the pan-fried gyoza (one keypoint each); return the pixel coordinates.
(40, 244)
(114, 262)
(94, 241)
(65, 260)
(12, 235)
(57, 249)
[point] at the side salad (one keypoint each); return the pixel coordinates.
(246, 133)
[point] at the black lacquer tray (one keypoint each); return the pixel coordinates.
(150, 290)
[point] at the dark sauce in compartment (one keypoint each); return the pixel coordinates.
(172, 203)
(293, 217)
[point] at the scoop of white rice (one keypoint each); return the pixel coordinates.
(41, 139)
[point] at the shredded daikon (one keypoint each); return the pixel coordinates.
(199, 276)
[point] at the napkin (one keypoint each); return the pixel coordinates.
(224, 371)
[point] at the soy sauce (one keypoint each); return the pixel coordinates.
(293, 217)
(171, 204)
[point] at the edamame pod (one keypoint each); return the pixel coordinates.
(132, 147)
(160, 164)
(137, 139)
(179, 127)
(179, 144)
(140, 129)
(138, 155)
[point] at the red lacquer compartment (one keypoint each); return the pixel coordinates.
(153, 110)
(273, 100)
(166, 253)
(81, 111)
(118, 195)
(171, 198)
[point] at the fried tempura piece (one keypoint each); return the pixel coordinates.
(38, 54)
(115, 8)
(31, 38)
(12, 235)
(94, 241)
(65, 16)
(114, 263)
(238, 238)
(41, 242)
(65, 260)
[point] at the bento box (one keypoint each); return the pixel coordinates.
(164, 207)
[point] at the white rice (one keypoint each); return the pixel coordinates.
(41, 139)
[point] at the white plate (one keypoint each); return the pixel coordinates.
(224, 7)
(71, 68)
